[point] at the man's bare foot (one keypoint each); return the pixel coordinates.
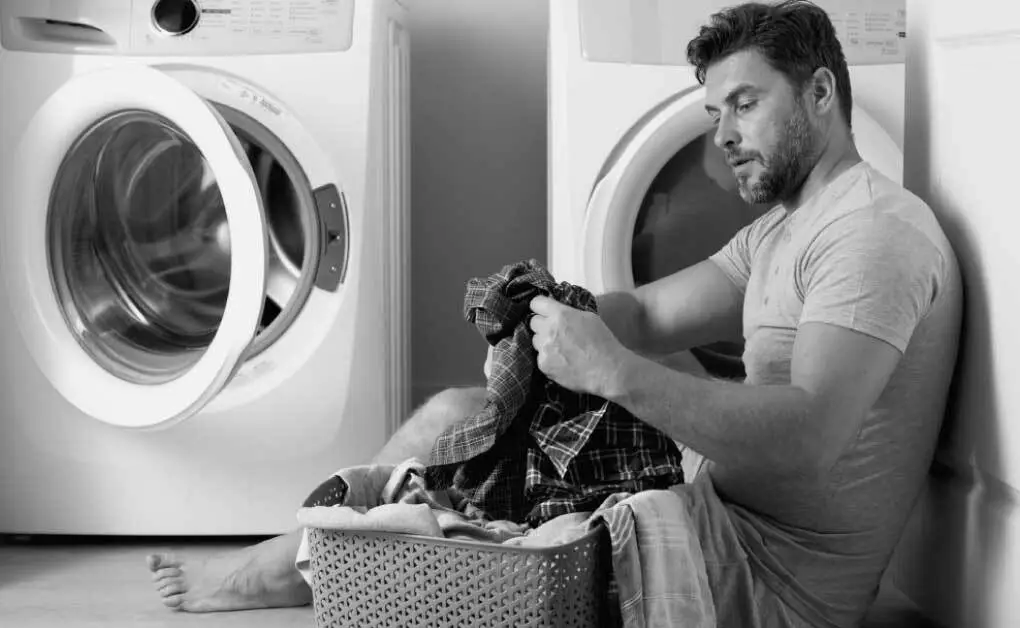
(261, 576)
(264, 576)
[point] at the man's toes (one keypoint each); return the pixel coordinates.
(172, 587)
(167, 572)
(159, 561)
(174, 601)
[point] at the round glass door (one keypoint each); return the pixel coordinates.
(689, 212)
(140, 247)
(137, 258)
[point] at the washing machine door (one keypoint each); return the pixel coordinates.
(135, 247)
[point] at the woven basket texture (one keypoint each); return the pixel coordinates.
(380, 579)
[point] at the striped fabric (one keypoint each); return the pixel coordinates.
(538, 450)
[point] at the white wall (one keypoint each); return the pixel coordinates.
(960, 555)
(478, 167)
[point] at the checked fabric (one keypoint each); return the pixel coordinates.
(537, 450)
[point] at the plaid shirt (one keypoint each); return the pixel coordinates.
(538, 450)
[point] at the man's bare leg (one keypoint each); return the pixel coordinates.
(415, 437)
(263, 575)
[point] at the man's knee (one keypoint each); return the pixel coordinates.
(415, 438)
(455, 404)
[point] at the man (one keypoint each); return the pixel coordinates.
(848, 296)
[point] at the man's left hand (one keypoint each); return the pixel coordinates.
(575, 349)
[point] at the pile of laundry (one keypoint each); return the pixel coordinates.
(539, 466)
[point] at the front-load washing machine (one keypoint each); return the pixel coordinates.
(637, 189)
(204, 258)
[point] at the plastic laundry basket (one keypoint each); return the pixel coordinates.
(384, 579)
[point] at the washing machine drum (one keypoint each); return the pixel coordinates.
(140, 246)
(689, 212)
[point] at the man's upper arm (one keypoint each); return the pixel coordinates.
(843, 373)
(866, 286)
(876, 275)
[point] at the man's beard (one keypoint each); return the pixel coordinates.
(784, 171)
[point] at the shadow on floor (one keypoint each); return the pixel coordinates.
(28, 557)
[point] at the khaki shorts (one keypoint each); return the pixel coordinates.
(742, 599)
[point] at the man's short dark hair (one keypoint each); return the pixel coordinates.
(796, 37)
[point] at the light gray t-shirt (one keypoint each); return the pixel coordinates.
(867, 255)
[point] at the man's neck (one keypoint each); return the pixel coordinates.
(833, 162)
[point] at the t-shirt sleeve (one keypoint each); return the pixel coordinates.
(734, 258)
(877, 275)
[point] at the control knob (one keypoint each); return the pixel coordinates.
(175, 17)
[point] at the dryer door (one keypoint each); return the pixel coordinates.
(667, 200)
(137, 253)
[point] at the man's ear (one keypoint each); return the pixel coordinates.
(822, 91)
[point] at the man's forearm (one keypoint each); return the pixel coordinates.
(766, 427)
(624, 316)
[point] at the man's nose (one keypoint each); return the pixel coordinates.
(726, 136)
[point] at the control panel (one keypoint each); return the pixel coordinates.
(657, 31)
(178, 27)
(241, 26)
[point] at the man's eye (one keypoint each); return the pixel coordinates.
(747, 106)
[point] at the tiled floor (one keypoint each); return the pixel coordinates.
(92, 583)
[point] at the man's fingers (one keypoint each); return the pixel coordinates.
(538, 324)
(544, 306)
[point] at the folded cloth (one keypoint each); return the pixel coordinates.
(404, 518)
(383, 495)
(536, 450)
(561, 530)
(364, 486)
(659, 573)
